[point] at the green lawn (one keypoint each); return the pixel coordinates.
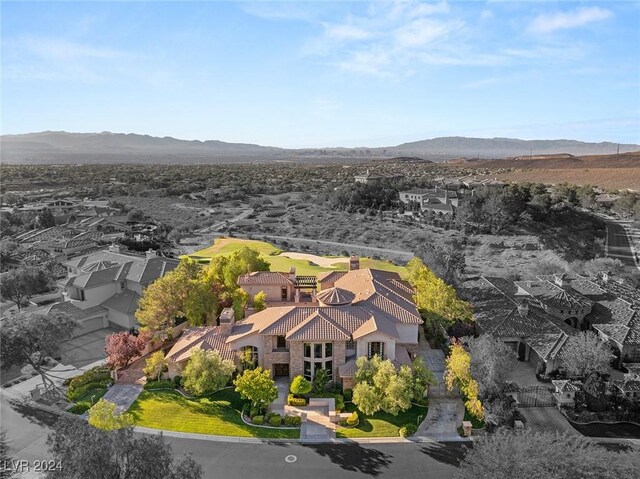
(381, 424)
(225, 246)
(218, 414)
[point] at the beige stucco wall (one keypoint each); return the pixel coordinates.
(273, 292)
(389, 345)
(408, 333)
(93, 296)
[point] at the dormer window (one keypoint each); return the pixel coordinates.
(376, 348)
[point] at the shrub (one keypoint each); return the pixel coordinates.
(73, 394)
(95, 378)
(294, 401)
(407, 430)
(342, 423)
(79, 408)
(253, 412)
(151, 385)
(292, 420)
(348, 395)
(300, 386)
(353, 419)
(258, 420)
(275, 420)
(177, 381)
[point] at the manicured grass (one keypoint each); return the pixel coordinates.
(218, 414)
(93, 395)
(475, 422)
(381, 424)
(225, 246)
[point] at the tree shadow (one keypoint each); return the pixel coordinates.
(353, 457)
(35, 415)
(447, 453)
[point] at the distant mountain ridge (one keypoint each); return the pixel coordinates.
(62, 147)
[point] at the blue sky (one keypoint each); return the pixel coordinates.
(313, 74)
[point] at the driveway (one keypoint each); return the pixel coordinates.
(619, 246)
(85, 349)
(277, 406)
(123, 395)
(443, 419)
(546, 419)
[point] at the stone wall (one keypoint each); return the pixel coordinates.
(296, 361)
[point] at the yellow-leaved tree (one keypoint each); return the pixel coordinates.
(458, 374)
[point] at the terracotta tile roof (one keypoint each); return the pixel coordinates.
(564, 385)
(348, 369)
(335, 297)
(264, 277)
(318, 327)
(206, 338)
(377, 325)
(402, 355)
(125, 302)
(330, 276)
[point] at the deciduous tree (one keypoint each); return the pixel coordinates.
(491, 362)
(584, 353)
(259, 301)
(31, 339)
(103, 415)
(458, 374)
(155, 365)
(86, 452)
(506, 455)
(206, 372)
(257, 386)
(122, 347)
(20, 284)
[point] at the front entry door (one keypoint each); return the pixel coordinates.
(281, 370)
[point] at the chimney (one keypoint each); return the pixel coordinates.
(354, 263)
(523, 310)
(227, 320)
(65, 296)
(605, 277)
(114, 248)
(292, 274)
(559, 279)
(151, 254)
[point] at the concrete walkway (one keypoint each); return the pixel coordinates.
(123, 395)
(277, 406)
(317, 427)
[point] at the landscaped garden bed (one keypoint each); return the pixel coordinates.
(87, 389)
(381, 424)
(217, 414)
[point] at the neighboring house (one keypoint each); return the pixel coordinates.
(435, 199)
(628, 388)
(537, 317)
(565, 392)
(109, 284)
(373, 178)
(362, 312)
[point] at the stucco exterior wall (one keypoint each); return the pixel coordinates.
(95, 296)
(273, 292)
(408, 333)
(389, 345)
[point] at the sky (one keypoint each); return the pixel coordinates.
(317, 74)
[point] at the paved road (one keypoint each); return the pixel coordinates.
(618, 246)
(547, 419)
(335, 461)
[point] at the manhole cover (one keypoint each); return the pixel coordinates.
(290, 459)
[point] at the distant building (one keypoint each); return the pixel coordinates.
(438, 200)
(370, 178)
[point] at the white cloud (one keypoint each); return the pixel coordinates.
(486, 15)
(346, 32)
(61, 49)
(548, 23)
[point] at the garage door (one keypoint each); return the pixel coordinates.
(88, 326)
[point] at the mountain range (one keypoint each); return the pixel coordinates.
(53, 147)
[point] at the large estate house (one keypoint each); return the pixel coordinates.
(361, 312)
(103, 288)
(537, 317)
(438, 200)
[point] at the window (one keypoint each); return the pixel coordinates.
(351, 345)
(281, 342)
(82, 295)
(283, 293)
(123, 284)
(321, 359)
(376, 349)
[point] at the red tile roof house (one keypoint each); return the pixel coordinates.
(356, 313)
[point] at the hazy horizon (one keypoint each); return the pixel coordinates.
(324, 74)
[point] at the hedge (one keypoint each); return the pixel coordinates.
(150, 385)
(294, 401)
(275, 420)
(258, 420)
(353, 419)
(407, 430)
(94, 378)
(292, 420)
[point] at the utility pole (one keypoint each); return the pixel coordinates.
(618, 151)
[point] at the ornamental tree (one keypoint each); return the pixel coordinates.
(87, 452)
(256, 386)
(300, 386)
(584, 353)
(103, 415)
(31, 339)
(506, 455)
(458, 374)
(421, 378)
(155, 365)
(206, 372)
(122, 347)
(259, 301)
(491, 362)
(380, 386)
